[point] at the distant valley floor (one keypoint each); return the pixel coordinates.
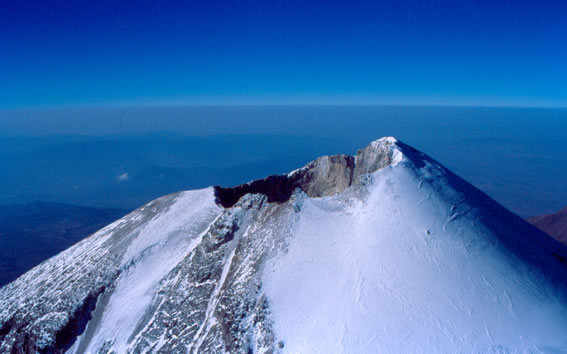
(31, 233)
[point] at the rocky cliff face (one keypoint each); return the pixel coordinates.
(349, 253)
(325, 176)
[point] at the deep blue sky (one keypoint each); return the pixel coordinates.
(66, 53)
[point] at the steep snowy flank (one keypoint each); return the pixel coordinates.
(126, 258)
(385, 251)
(408, 267)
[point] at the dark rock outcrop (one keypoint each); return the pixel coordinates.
(327, 175)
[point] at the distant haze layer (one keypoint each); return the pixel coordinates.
(516, 155)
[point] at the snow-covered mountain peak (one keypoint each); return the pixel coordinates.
(384, 251)
(384, 142)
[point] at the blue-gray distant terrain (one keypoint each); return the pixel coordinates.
(127, 171)
(33, 232)
(123, 157)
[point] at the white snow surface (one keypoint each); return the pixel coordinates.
(159, 246)
(400, 271)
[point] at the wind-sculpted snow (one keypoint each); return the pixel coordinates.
(386, 251)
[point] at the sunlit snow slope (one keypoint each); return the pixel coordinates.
(386, 251)
(410, 266)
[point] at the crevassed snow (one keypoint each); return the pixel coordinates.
(160, 245)
(402, 272)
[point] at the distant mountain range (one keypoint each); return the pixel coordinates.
(31, 233)
(554, 224)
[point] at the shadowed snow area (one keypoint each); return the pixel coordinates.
(383, 251)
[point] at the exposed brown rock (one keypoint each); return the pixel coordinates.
(327, 175)
(554, 224)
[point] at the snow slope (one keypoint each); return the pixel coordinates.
(386, 251)
(159, 246)
(403, 270)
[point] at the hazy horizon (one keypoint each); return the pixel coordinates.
(516, 155)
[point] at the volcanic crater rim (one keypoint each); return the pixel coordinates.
(324, 176)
